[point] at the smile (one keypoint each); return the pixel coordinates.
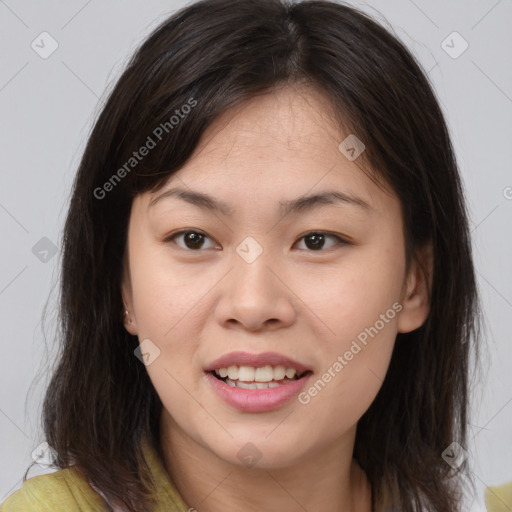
(254, 396)
(250, 377)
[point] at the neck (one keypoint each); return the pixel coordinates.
(328, 481)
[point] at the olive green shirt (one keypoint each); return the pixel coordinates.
(67, 490)
(499, 498)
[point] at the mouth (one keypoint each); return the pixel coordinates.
(256, 383)
(262, 377)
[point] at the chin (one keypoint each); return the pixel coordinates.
(260, 452)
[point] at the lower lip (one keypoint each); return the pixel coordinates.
(257, 400)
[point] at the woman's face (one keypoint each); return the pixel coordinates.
(319, 288)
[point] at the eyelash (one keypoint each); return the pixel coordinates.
(341, 241)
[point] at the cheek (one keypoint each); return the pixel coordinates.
(346, 298)
(360, 308)
(352, 375)
(173, 384)
(169, 312)
(163, 293)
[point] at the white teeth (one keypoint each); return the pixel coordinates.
(255, 385)
(279, 372)
(246, 373)
(290, 373)
(246, 385)
(233, 372)
(262, 375)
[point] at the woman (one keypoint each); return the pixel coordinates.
(268, 295)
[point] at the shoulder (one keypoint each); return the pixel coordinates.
(64, 490)
(499, 498)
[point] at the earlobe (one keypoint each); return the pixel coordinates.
(128, 315)
(416, 295)
(129, 322)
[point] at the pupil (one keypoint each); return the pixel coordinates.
(318, 241)
(194, 238)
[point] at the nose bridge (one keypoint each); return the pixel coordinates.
(252, 261)
(253, 294)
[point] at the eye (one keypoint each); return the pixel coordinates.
(315, 240)
(193, 240)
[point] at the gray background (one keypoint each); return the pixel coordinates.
(47, 107)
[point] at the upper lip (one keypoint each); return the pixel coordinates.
(255, 360)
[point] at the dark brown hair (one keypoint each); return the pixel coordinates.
(100, 404)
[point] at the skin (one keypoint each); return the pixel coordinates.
(196, 304)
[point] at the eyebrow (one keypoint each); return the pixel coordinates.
(299, 205)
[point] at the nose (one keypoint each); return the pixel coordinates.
(256, 296)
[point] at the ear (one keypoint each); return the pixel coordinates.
(416, 291)
(129, 320)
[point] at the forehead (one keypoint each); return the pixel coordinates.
(279, 145)
(287, 120)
